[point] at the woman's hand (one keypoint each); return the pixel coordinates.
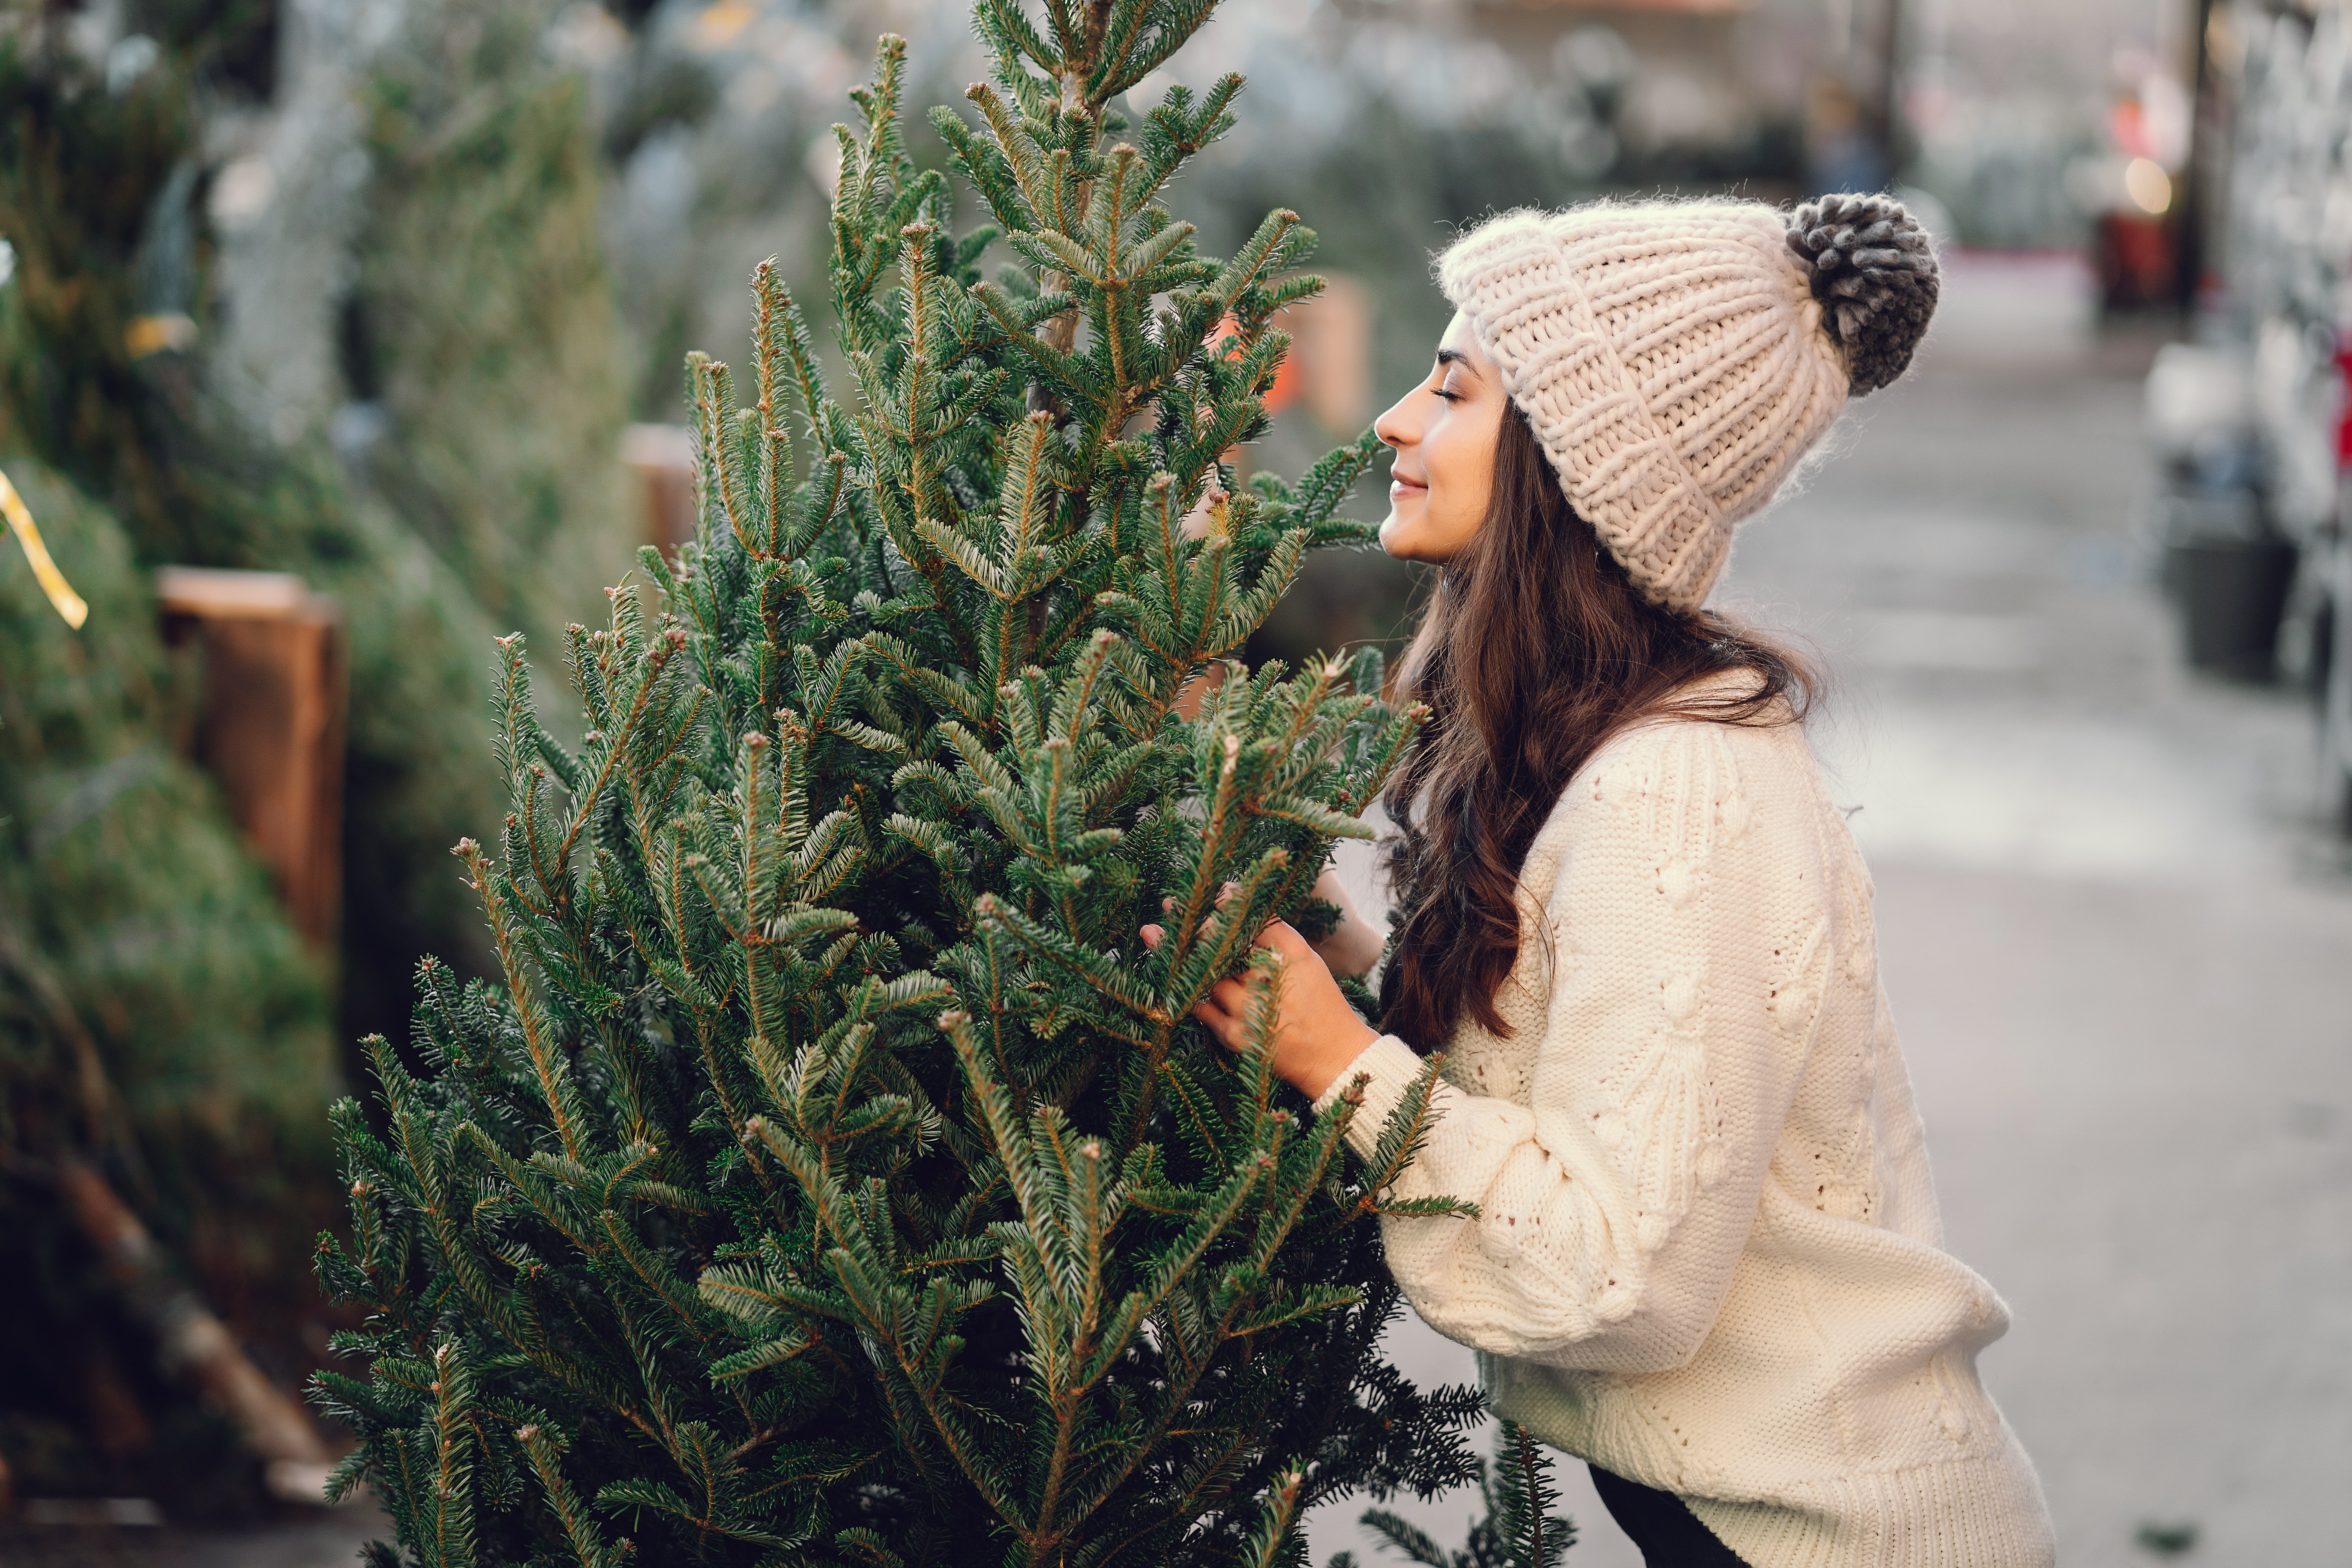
(1316, 1033)
(1354, 944)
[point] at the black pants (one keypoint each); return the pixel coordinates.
(1662, 1525)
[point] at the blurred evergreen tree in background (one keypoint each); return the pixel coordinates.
(157, 1010)
(449, 260)
(481, 287)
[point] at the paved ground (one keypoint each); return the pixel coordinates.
(2120, 952)
(330, 1540)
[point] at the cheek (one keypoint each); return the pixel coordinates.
(1461, 477)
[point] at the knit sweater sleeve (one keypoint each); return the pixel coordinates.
(1618, 1167)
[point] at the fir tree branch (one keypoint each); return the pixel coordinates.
(549, 1062)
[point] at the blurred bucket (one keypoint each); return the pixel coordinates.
(2232, 595)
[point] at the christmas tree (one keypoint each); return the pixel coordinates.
(1520, 1530)
(162, 1024)
(159, 1018)
(482, 284)
(835, 1177)
(473, 267)
(160, 1021)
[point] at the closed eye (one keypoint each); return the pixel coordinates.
(1451, 363)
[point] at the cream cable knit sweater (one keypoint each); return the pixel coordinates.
(1707, 1256)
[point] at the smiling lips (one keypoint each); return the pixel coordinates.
(1399, 488)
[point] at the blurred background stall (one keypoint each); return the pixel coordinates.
(372, 310)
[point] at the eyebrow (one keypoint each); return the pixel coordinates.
(1455, 356)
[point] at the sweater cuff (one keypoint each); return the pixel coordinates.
(1390, 1068)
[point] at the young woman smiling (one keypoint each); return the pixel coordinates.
(1707, 1256)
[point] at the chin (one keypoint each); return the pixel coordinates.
(1404, 542)
(1396, 537)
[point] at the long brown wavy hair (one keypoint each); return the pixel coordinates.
(1537, 648)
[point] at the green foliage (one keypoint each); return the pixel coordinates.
(482, 286)
(479, 287)
(80, 170)
(156, 1010)
(1520, 1530)
(154, 1004)
(95, 189)
(123, 868)
(139, 935)
(835, 1177)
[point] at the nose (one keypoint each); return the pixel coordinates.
(1395, 428)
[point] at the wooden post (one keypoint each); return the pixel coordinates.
(276, 692)
(662, 458)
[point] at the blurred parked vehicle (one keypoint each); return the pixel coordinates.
(2133, 188)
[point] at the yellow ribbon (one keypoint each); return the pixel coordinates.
(52, 582)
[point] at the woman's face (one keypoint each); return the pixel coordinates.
(1443, 433)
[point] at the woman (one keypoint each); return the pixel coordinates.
(1707, 1256)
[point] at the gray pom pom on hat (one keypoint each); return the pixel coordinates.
(1874, 271)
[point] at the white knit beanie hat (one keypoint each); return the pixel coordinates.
(1675, 359)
